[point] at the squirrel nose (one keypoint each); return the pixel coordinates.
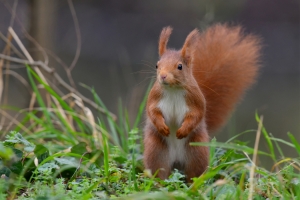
(163, 76)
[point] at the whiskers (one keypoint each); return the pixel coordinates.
(150, 71)
(207, 73)
(185, 85)
(209, 88)
(150, 68)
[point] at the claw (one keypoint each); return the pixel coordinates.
(180, 134)
(164, 130)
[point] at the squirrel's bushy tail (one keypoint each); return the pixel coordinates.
(225, 64)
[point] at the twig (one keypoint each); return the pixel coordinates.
(78, 48)
(24, 50)
(78, 35)
(27, 62)
(252, 163)
(19, 78)
(1, 78)
(4, 83)
(26, 53)
(13, 16)
(11, 46)
(14, 121)
(252, 169)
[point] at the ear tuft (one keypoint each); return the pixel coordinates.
(190, 41)
(163, 40)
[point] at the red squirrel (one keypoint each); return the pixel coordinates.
(196, 89)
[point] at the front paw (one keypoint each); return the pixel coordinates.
(164, 130)
(181, 133)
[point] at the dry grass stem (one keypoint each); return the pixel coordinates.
(78, 35)
(254, 158)
(14, 121)
(19, 78)
(15, 50)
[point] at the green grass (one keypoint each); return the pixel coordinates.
(66, 152)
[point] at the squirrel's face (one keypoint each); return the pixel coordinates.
(172, 70)
(174, 67)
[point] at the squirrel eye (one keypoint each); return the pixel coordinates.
(156, 66)
(179, 67)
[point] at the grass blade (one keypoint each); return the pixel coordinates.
(294, 141)
(233, 146)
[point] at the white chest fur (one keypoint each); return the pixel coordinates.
(173, 106)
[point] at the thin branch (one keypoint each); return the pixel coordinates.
(78, 35)
(26, 62)
(1, 78)
(22, 47)
(14, 121)
(19, 78)
(12, 46)
(78, 48)
(13, 16)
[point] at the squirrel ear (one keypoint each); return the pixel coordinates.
(163, 40)
(190, 41)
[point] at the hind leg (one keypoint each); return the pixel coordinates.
(156, 155)
(197, 157)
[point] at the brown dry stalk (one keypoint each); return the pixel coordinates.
(2, 85)
(254, 158)
(1, 79)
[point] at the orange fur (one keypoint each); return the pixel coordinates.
(207, 77)
(163, 40)
(225, 65)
